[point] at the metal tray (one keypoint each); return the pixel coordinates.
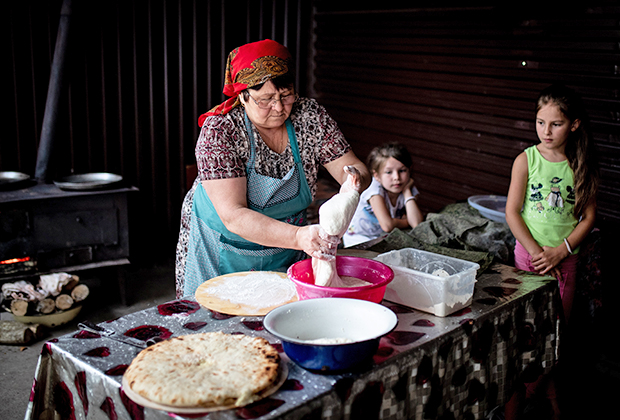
(10, 179)
(90, 181)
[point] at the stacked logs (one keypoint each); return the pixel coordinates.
(53, 293)
(13, 332)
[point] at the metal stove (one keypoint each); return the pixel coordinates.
(44, 228)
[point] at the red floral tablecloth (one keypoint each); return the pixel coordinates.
(460, 366)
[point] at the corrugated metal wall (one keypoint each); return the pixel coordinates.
(139, 73)
(458, 85)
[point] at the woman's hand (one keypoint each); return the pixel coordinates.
(548, 260)
(356, 177)
(353, 181)
(315, 242)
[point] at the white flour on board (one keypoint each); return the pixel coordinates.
(256, 290)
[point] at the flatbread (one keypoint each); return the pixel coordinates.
(204, 370)
(247, 293)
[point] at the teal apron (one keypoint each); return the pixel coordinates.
(213, 250)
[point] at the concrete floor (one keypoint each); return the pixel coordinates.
(145, 288)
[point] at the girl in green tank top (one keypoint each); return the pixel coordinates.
(551, 204)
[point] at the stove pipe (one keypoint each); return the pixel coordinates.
(54, 92)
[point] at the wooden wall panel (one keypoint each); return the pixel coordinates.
(458, 85)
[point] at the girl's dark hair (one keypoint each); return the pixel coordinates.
(378, 156)
(580, 151)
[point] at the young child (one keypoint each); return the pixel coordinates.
(551, 204)
(389, 202)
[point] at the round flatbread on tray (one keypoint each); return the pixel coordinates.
(246, 293)
(204, 371)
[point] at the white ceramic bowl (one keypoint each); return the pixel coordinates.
(362, 322)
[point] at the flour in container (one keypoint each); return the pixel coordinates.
(348, 281)
(440, 272)
(336, 340)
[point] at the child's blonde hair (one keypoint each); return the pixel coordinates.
(377, 156)
(579, 150)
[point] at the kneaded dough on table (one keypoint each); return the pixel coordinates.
(334, 217)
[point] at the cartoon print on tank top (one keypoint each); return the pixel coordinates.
(548, 199)
(554, 198)
(554, 201)
(570, 199)
(536, 194)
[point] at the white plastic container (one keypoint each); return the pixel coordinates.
(429, 282)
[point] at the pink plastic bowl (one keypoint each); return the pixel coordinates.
(362, 268)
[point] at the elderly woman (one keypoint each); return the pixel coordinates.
(258, 157)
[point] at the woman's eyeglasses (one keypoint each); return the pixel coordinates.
(269, 103)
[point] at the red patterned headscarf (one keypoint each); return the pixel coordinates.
(250, 65)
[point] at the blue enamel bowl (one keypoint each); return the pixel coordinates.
(330, 334)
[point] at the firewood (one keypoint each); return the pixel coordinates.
(19, 307)
(39, 330)
(55, 283)
(80, 292)
(46, 306)
(13, 332)
(64, 301)
(22, 290)
(6, 304)
(74, 281)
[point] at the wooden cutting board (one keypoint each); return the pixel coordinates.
(258, 293)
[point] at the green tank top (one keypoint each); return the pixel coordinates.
(549, 199)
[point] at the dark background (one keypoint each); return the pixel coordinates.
(456, 84)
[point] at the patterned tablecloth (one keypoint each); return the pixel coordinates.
(460, 366)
